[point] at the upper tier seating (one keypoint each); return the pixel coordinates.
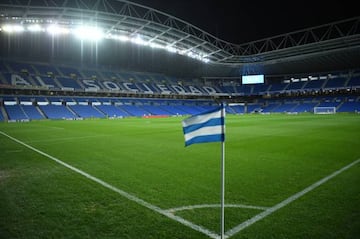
(294, 86)
(314, 85)
(45, 70)
(35, 75)
(335, 83)
(354, 82)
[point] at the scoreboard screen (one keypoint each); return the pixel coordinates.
(252, 79)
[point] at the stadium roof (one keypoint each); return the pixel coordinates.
(329, 47)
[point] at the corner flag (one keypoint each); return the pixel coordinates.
(205, 127)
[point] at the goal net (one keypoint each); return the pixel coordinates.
(324, 110)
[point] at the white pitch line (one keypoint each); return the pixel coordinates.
(121, 192)
(172, 210)
(282, 204)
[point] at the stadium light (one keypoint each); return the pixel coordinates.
(88, 33)
(171, 49)
(122, 38)
(155, 45)
(56, 30)
(13, 28)
(91, 33)
(35, 28)
(139, 41)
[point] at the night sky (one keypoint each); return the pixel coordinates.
(244, 21)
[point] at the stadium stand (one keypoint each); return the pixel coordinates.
(32, 112)
(335, 83)
(57, 112)
(69, 71)
(314, 85)
(19, 67)
(16, 112)
(69, 80)
(68, 83)
(86, 111)
(296, 86)
(46, 70)
(112, 111)
(47, 81)
(278, 88)
(2, 118)
(354, 82)
(260, 89)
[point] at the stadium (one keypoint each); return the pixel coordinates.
(93, 98)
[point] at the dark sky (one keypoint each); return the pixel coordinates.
(243, 21)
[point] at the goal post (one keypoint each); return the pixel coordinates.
(325, 110)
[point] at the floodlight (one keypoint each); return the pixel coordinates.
(13, 28)
(155, 45)
(93, 33)
(56, 30)
(122, 38)
(34, 28)
(88, 33)
(206, 60)
(171, 49)
(138, 40)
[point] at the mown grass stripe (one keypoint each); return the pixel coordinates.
(282, 204)
(119, 191)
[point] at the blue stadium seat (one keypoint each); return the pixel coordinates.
(349, 107)
(335, 83)
(260, 89)
(45, 70)
(295, 86)
(68, 82)
(68, 71)
(91, 73)
(244, 89)
(271, 107)
(235, 109)
(57, 112)
(280, 87)
(32, 112)
(286, 107)
(1, 114)
(15, 112)
(314, 85)
(111, 111)
(86, 111)
(48, 81)
(134, 110)
(354, 82)
(18, 67)
(304, 107)
(156, 110)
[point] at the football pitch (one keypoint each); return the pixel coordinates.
(287, 176)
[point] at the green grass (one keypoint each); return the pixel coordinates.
(268, 159)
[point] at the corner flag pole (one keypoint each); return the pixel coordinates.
(222, 177)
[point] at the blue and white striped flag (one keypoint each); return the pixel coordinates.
(205, 127)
